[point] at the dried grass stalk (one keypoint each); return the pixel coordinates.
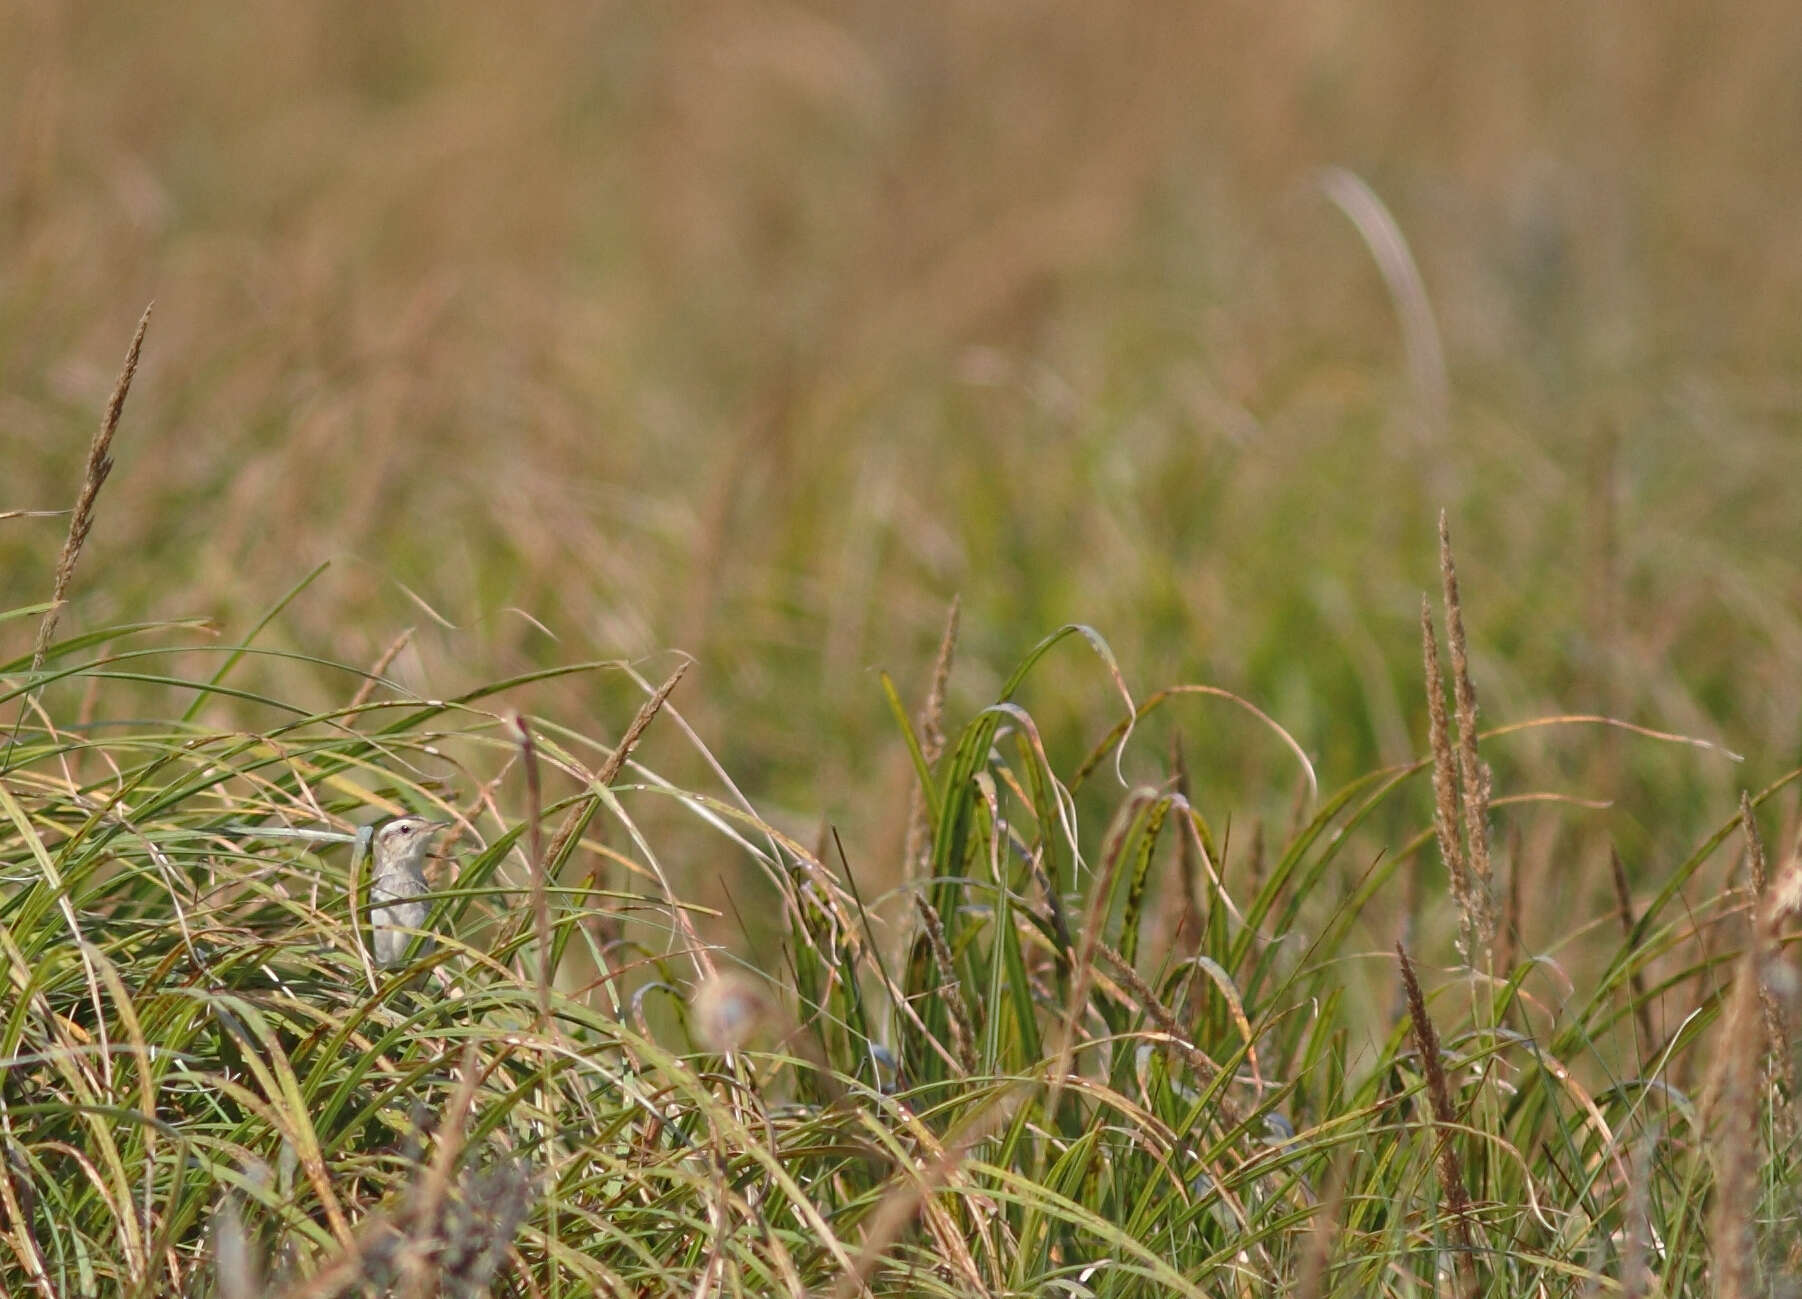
(1779, 991)
(1439, 1093)
(932, 719)
(1756, 870)
(541, 905)
(1736, 1105)
(18, 1205)
(616, 760)
(1445, 785)
(1186, 929)
(932, 745)
(1739, 1082)
(578, 817)
(912, 1190)
(1473, 774)
(1382, 235)
(1329, 1219)
(373, 677)
(100, 464)
(1200, 1063)
(1769, 908)
(1636, 984)
(961, 1031)
(1094, 918)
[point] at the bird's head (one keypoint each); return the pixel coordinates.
(405, 841)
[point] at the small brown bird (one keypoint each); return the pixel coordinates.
(398, 889)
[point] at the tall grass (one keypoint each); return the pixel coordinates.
(493, 359)
(761, 334)
(1032, 1082)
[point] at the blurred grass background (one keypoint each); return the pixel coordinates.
(760, 331)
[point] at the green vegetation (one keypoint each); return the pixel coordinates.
(561, 428)
(1116, 1062)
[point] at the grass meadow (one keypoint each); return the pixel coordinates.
(1090, 649)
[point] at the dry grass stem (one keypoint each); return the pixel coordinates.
(1389, 248)
(912, 1189)
(1736, 1110)
(1439, 1094)
(932, 717)
(1186, 930)
(1323, 1234)
(962, 1030)
(577, 819)
(1636, 984)
(932, 744)
(622, 752)
(1766, 913)
(373, 677)
(18, 1204)
(429, 1190)
(1738, 1084)
(1199, 1062)
(1780, 990)
(1101, 890)
(1473, 773)
(99, 465)
(1756, 870)
(1445, 787)
(541, 904)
